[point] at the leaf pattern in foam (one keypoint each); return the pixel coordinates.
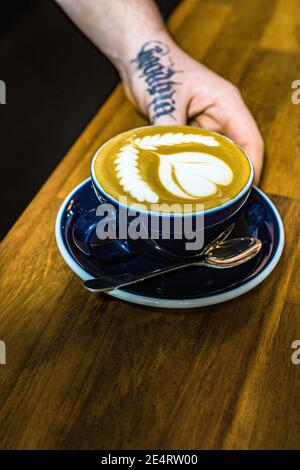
(130, 179)
(152, 142)
(166, 178)
(198, 174)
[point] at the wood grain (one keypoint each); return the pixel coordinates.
(92, 372)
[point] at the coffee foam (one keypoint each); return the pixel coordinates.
(172, 166)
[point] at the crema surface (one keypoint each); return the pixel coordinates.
(171, 165)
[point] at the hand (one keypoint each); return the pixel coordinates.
(170, 87)
(166, 84)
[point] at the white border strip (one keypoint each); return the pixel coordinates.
(171, 303)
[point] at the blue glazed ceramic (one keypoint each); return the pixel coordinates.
(214, 221)
(194, 287)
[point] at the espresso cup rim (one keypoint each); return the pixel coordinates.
(211, 210)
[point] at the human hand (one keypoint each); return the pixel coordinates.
(171, 88)
(164, 82)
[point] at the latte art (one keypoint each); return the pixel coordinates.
(172, 164)
(128, 173)
(197, 174)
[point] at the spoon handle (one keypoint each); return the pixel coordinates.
(107, 283)
(225, 255)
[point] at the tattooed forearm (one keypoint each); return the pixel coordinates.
(157, 69)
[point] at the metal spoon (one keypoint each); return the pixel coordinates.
(225, 254)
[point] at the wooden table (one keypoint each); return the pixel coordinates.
(92, 372)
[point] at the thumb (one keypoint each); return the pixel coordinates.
(167, 111)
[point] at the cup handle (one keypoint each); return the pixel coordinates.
(86, 239)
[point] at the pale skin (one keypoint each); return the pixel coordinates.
(132, 34)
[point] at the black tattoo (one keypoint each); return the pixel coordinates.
(158, 77)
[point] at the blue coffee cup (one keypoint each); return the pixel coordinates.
(99, 232)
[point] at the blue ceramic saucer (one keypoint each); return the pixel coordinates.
(194, 287)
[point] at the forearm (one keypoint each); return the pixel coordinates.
(117, 27)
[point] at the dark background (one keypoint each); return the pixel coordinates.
(56, 80)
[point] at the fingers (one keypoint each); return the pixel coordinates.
(232, 118)
(228, 115)
(166, 112)
(255, 150)
(207, 122)
(243, 130)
